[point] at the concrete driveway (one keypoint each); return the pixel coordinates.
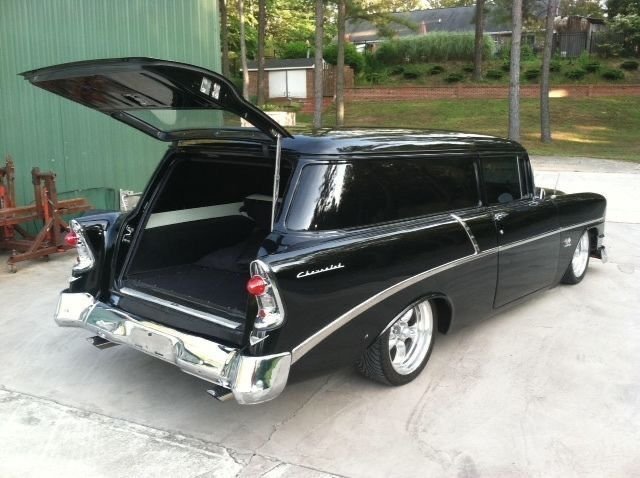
(550, 388)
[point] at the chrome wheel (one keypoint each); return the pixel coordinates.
(581, 256)
(410, 338)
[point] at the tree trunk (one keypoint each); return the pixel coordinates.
(514, 83)
(224, 38)
(262, 26)
(340, 64)
(243, 52)
(479, 43)
(545, 114)
(318, 71)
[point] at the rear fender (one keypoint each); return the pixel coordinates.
(101, 231)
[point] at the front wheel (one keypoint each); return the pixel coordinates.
(579, 262)
(402, 351)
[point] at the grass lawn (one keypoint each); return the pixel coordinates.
(593, 127)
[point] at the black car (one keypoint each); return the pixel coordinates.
(254, 254)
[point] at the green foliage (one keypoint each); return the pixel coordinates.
(622, 7)
(494, 74)
(376, 77)
(629, 26)
(296, 49)
(555, 66)
(436, 70)
(583, 8)
(433, 47)
(351, 56)
(526, 53)
(531, 74)
(612, 74)
(575, 73)
(506, 66)
(396, 70)
(629, 65)
(453, 78)
(587, 63)
(467, 68)
(412, 72)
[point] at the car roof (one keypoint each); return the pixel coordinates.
(373, 141)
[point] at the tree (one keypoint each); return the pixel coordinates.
(545, 114)
(340, 64)
(318, 66)
(514, 82)
(583, 8)
(449, 3)
(262, 25)
(224, 38)
(243, 52)
(622, 7)
(629, 26)
(479, 41)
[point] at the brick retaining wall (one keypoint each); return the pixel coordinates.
(449, 92)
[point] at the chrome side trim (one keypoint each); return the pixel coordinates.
(300, 350)
(469, 232)
(180, 308)
(550, 233)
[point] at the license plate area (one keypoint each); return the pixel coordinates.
(154, 344)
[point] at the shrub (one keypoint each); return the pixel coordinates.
(612, 74)
(415, 71)
(436, 70)
(588, 63)
(351, 56)
(453, 78)
(532, 74)
(467, 68)
(629, 65)
(397, 70)
(494, 74)
(296, 49)
(575, 73)
(376, 77)
(555, 65)
(591, 67)
(506, 66)
(526, 53)
(437, 46)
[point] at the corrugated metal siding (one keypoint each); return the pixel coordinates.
(88, 150)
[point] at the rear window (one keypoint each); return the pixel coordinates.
(366, 192)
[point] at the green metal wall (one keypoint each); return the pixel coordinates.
(88, 150)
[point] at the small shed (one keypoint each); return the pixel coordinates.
(286, 78)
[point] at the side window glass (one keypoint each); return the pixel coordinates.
(502, 179)
(373, 191)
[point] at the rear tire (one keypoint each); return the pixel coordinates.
(579, 264)
(402, 351)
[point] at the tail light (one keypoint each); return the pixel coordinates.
(85, 256)
(262, 287)
(71, 239)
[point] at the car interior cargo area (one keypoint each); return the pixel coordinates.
(204, 229)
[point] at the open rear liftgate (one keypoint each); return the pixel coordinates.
(47, 208)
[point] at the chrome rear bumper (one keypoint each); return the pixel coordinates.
(250, 379)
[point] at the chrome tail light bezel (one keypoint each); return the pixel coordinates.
(86, 258)
(271, 313)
